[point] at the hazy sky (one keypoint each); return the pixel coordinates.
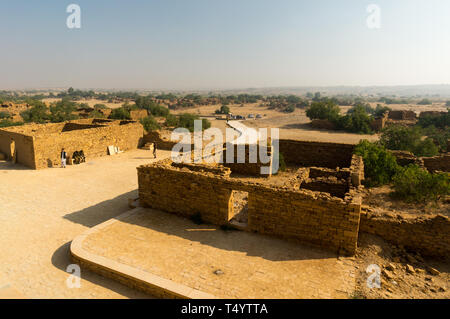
(194, 44)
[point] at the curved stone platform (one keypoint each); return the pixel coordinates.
(171, 257)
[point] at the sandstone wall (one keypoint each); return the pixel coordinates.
(311, 217)
(405, 158)
(326, 222)
(184, 192)
(24, 146)
(437, 163)
(379, 123)
(402, 115)
(138, 114)
(428, 235)
(250, 153)
(161, 144)
(94, 142)
(330, 155)
(323, 124)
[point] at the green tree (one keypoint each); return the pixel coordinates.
(323, 110)
(63, 111)
(380, 110)
(415, 184)
(358, 121)
(4, 115)
(408, 139)
(37, 113)
(425, 102)
(186, 120)
(379, 165)
(150, 124)
(224, 109)
(120, 113)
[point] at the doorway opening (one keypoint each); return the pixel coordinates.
(239, 208)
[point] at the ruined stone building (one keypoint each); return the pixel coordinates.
(39, 145)
(319, 203)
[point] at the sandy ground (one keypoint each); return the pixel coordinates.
(42, 211)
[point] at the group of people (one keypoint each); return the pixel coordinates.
(64, 156)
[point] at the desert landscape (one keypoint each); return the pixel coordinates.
(39, 198)
(234, 158)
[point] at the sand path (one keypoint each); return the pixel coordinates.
(42, 211)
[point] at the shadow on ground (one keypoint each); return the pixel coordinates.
(10, 166)
(103, 211)
(61, 259)
(252, 244)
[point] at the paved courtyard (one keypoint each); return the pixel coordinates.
(225, 264)
(42, 211)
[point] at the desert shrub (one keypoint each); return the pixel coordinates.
(358, 106)
(439, 137)
(408, 139)
(358, 121)
(439, 121)
(171, 120)
(149, 123)
(7, 123)
(186, 120)
(379, 165)
(380, 110)
(96, 114)
(146, 102)
(447, 104)
(4, 115)
(120, 113)
(100, 106)
(38, 113)
(289, 109)
(425, 102)
(158, 110)
(416, 184)
(323, 110)
(224, 109)
(63, 111)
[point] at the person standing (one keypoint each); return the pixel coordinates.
(154, 150)
(63, 158)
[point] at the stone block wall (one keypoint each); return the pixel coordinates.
(94, 142)
(330, 155)
(432, 164)
(336, 187)
(402, 115)
(405, 158)
(311, 217)
(320, 220)
(39, 145)
(136, 115)
(323, 124)
(161, 144)
(437, 163)
(379, 123)
(428, 235)
(180, 190)
(23, 145)
(250, 153)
